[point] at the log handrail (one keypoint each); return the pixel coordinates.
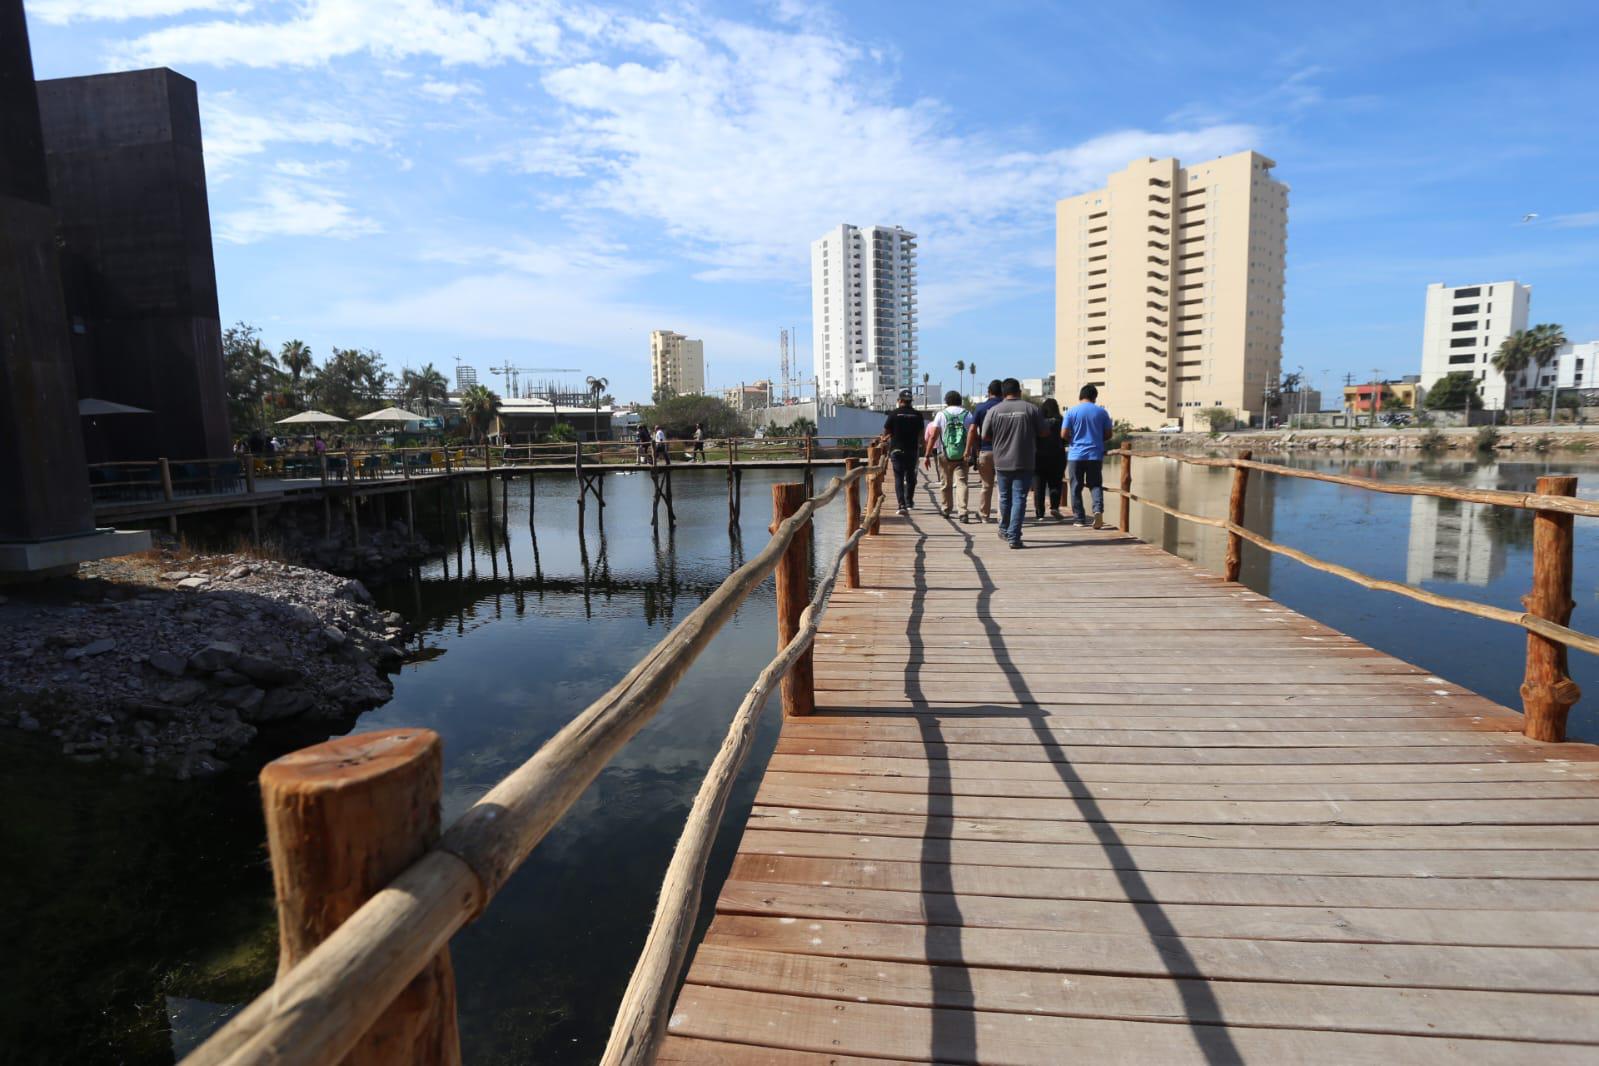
(319, 1010)
(641, 1018)
(1526, 501)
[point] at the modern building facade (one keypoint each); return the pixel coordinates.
(127, 178)
(749, 397)
(1169, 289)
(677, 364)
(1573, 368)
(1464, 327)
(863, 312)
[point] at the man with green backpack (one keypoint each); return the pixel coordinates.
(951, 428)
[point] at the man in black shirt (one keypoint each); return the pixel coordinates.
(903, 430)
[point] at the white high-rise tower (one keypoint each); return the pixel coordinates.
(863, 312)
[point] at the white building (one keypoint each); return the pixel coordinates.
(863, 312)
(677, 364)
(1573, 365)
(1465, 326)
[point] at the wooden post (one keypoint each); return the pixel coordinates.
(343, 819)
(1126, 523)
(852, 522)
(793, 595)
(166, 494)
(1548, 693)
(1235, 515)
(410, 518)
(249, 473)
(874, 486)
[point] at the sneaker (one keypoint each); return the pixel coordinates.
(1017, 543)
(1099, 519)
(1057, 516)
(901, 512)
(1002, 534)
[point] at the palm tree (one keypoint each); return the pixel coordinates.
(925, 379)
(296, 356)
(960, 369)
(1525, 348)
(479, 406)
(597, 387)
(972, 366)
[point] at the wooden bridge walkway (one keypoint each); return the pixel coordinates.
(1087, 802)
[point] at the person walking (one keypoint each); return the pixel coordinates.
(1051, 462)
(902, 431)
(980, 453)
(946, 445)
(645, 448)
(1086, 429)
(1012, 428)
(661, 454)
(699, 442)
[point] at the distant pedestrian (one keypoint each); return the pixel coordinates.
(661, 454)
(645, 448)
(946, 445)
(980, 453)
(699, 442)
(1051, 468)
(319, 445)
(1086, 430)
(902, 430)
(1012, 428)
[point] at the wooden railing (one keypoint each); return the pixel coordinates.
(1547, 692)
(369, 893)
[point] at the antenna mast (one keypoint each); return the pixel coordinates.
(782, 362)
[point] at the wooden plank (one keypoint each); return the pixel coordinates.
(679, 1049)
(1440, 752)
(1024, 831)
(938, 1034)
(1391, 925)
(1340, 1008)
(1430, 864)
(1544, 971)
(1130, 884)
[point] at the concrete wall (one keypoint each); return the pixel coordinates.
(835, 420)
(127, 178)
(44, 490)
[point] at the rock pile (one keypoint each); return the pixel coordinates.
(174, 667)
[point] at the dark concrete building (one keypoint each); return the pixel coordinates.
(127, 179)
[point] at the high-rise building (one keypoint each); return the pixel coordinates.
(465, 377)
(677, 364)
(863, 312)
(1169, 288)
(1465, 326)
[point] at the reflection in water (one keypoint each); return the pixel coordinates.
(1454, 541)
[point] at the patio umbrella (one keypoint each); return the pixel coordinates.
(391, 414)
(310, 418)
(89, 407)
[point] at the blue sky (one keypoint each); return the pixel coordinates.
(544, 181)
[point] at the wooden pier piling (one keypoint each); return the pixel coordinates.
(1548, 692)
(793, 593)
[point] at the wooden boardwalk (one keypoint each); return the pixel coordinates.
(1087, 802)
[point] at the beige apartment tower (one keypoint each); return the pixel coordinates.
(677, 364)
(1169, 289)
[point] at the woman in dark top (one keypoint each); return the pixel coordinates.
(1050, 466)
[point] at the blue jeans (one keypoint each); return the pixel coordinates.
(1088, 472)
(1014, 487)
(904, 464)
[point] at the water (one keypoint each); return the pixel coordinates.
(525, 638)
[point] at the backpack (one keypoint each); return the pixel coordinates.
(954, 433)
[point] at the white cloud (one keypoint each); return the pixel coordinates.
(322, 30)
(1577, 220)
(233, 134)
(448, 90)
(290, 208)
(61, 12)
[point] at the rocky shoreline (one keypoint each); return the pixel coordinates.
(171, 663)
(1455, 441)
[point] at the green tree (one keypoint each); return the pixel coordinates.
(1527, 348)
(424, 388)
(251, 377)
(1454, 391)
(351, 383)
(296, 358)
(479, 406)
(1217, 418)
(960, 371)
(597, 387)
(562, 432)
(679, 414)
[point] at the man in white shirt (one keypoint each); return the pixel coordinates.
(947, 445)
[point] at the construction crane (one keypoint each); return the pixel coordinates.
(512, 374)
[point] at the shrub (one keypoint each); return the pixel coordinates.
(1543, 444)
(1487, 438)
(1434, 441)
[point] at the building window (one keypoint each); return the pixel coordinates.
(1466, 309)
(1461, 294)
(1463, 342)
(1462, 326)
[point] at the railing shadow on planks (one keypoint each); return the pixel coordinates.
(1547, 691)
(369, 892)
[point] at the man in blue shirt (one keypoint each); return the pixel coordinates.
(1086, 429)
(980, 453)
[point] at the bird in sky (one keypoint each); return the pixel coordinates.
(1529, 217)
